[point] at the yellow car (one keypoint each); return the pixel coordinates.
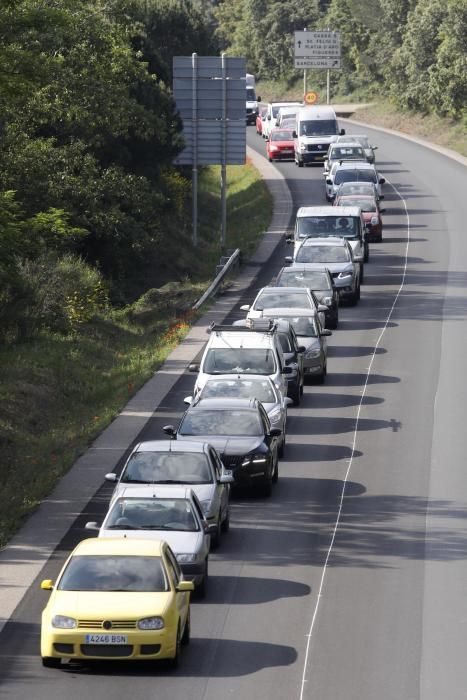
(117, 599)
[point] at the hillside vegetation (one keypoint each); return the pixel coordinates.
(413, 52)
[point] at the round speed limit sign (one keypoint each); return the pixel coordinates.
(311, 98)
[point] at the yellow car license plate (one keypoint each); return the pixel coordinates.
(106, 639)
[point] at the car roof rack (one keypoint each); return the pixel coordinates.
(252, 325)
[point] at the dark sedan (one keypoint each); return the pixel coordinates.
(320, 282)
(240, 431)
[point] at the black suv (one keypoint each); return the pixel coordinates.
(240, 431)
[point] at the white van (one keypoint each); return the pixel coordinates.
(286, 113)
(317, 127)
(272, 112)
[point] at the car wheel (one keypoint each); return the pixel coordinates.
(275, 474)
(358, 292)
(216, 539)
(226, 522)
(187, 631)
(51, 662)
(270, 160)
(367, 255)
(266, 489)
(321, 378)
(334, 322)
(361, 274)
(175, 660)
(282, 447)
(295, 395)
(300, 163)
(202, 587)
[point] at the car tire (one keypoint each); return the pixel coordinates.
(51, 662)
(225, 526)
(275, 474)
(295, 395)
(216, 539)
(282, 448)
(266, 489)
(187, 631)
(332, 325)
(175, 660)
(202, 587)
(270, 160)
(300, 163)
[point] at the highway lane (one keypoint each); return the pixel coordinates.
(388, 622)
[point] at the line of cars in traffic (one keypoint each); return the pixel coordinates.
(125, 594)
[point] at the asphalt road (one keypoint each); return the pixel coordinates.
(349, 583)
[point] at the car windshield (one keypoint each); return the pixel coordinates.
(357, 188)
(239, 361)
(167, 467)
(107, 573)
(240, 388)
(353, 175)
(311, 279)
(282, 299)
(288, 123)
(323, 254)
(152, 514)
(365, 203)
(250, 94)
(318, 127)
(232, 422)
(345, 152)
(285, 342)
(304, 326)
(319, 226)
(281, 135)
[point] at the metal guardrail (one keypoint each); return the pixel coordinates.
(227, 263)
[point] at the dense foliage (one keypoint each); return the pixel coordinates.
(88, 135)
(414, 51)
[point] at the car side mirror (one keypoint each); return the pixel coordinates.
(288, 401)
(322, 307)
(226, 478)
(287, 370)
(288, 258)
(92, 526)
(258, 98)
(325, 331)
(374, 148)
(210, 528)
(294, 135)
(188, 400)
(342, 132)
(185, 586)
(382, 180)
(381, 196)
(269, 117)
(245, 307)
(301, 348)
(111, 477)
(169, 430)
(275, 432)
(193, 368)
(328, 181)
(47, 584)
(382, 211)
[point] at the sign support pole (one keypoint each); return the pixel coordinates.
(224, 154)
(328, 84)
(194, 170)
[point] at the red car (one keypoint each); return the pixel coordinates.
(280, 145)
(260, 119)
(370, 211)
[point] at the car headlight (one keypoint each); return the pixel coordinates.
(63, 622)
(327, 301)
(374, 220)
(275, 415)
(312, 353)
(254, 459)
(303, 147)
(273, 148)
(151, 623)
(344, 274)
(185, 558)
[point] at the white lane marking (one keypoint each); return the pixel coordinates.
(352, 451)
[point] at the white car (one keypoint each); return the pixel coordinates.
(340, 152)
(170, 513)
(196, 465)
(243, 350)
(271, 115)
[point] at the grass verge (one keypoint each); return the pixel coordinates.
(57, 393)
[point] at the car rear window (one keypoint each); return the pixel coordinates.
(323, 254)
(113, 573)
(239, 361)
